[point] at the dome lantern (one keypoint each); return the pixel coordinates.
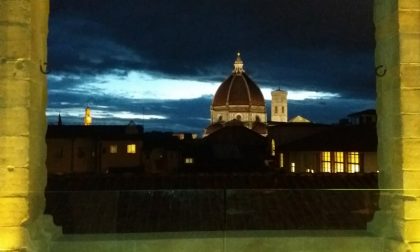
(238, 65)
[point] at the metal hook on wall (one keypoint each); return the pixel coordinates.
(43, 68)
(378, 71)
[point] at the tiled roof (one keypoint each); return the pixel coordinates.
(111, 205)
(337, 138)
(364, 112)
(238, 89)
(120, 132)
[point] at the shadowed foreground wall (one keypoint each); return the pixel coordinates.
(23, 97)
(398, 105)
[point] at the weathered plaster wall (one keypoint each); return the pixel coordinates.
(23, 96)
(398, 103)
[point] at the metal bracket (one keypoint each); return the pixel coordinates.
(378, 71)
(43, 68)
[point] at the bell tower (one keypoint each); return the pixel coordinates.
(88, 118)
(279, 106)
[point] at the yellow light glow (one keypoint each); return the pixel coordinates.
(131, 148)
(353, 161)
(326, 161)
(88, 117)
(12, 239)
(282, 161)
(189, 160)
(273, 147)
(338, 161)
(113, 149)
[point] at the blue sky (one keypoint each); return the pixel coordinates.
(159, 62)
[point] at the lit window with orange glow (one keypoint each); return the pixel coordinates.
(292, 167)
(353, 162)
(325, 161)
(338, 161)
(113, 149)
(273, 147)
(131, 148)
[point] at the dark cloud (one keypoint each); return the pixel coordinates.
(318, 45)
(328, 111)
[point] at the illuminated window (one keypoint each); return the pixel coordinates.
(310, 171)
(338, 162)
(292, 167)
(353, 162)
(273, 147)
(325, 161)
(113, 149)
(282, 160)
(189, 160)
(131, 148)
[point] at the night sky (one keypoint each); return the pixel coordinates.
(158, 62)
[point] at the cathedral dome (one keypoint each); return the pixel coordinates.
(237, 101)
(238, 89)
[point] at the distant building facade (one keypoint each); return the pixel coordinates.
(94, 148)
(239, 138)
(365, 117)
(323, 148)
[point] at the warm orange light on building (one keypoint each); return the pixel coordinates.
(325, 161)
(338, 161)
(353, 162)
(13, 240)
(131, 148)
(113, 149)
(88, 118)
(273, 147)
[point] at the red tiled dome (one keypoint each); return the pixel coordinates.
(238, 89)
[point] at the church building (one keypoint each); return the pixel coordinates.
(239, 101)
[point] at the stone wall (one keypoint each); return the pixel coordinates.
(23, 97)
(398, 94)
